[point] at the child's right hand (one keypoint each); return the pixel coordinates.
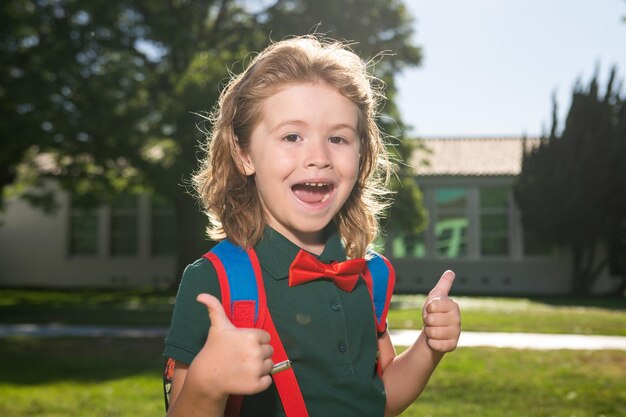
(233, 360)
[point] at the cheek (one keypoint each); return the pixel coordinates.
(355, 165)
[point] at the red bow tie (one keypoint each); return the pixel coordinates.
(307, 268)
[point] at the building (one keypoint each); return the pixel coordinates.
(129, 244)
(474, 226)
(474, 230)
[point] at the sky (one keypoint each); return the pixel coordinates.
(490, 67)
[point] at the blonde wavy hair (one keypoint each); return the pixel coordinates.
(230, 198)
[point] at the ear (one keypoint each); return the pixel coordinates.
(244, 161)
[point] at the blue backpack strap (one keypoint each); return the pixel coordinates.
(244, 300)
(243, 295)
(239, 279)
(380, 278)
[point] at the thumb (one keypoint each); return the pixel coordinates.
(216, 312)
(442, 289)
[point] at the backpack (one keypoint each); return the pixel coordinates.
(245, 304)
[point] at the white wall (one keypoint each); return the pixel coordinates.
(501, 277)
(34, 252)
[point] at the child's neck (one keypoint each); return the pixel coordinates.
(310, 242)
(315, 249)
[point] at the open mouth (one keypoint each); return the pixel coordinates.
(313, 192)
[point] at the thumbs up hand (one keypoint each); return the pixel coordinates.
(442, 317)
(233, 360)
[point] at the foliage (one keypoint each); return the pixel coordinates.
(571, 188)
(101, 95)
(408, 213)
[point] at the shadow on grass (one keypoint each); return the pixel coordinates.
(32, 361)
(141, 307)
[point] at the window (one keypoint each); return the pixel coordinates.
(409, 245)
(163, 226)
(452, 222)
(83, 231)
(125, 226)
(494, 221)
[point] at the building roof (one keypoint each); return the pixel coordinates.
(471, 156)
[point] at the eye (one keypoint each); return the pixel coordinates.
(337, 140)
(292, 137)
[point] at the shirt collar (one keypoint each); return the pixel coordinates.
(276, 252)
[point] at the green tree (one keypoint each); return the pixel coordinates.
(571, 188)
(101, 94)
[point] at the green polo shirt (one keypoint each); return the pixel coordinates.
(329, 334)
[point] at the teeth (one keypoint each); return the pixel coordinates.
(325, 197)
(315, 184)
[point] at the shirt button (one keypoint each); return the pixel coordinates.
(336, 306)
(341, 347)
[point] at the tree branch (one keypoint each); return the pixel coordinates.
(219, 18)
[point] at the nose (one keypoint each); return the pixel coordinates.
(318, 154)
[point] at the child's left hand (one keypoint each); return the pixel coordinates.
(442, 317)
(405, 375)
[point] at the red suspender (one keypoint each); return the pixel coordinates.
(242, 314)
(286, 382)
(380, 278)
(245, 304)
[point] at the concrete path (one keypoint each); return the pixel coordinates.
(60, 330)
(539, 341)
(399, 337)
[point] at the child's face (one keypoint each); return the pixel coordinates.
(304, 153)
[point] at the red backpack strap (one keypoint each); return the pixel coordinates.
(244, 300)
(380, 278)
(240, 296)
(168, 377)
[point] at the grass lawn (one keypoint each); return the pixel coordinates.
(602, 316)
(121, 377)
(69, 377)
(598, 316)
(141, 307)
(490, 382)
(81, 377)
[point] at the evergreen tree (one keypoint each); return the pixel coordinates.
(571, 188)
